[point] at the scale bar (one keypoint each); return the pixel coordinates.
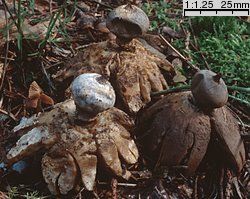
(216, 10)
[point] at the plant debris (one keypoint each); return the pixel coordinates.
(51, 42)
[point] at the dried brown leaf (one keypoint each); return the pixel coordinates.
(34, 90)
(46, 99)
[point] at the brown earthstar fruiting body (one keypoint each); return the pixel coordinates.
(127, 21)
(209, 89)
(174, 132)
(134, 72)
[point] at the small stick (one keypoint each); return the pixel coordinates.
(236, 185)
(50, 7)
(187, 87)
(240, 112)
(173, 48)
(79, 194)
(51, 86)
(202, 56)
(187, 40)
(243, 124)
(9, 114)
(7, 50)
(119, 184)
(179, 54)
(237, 88)
(82, 47)
(239, 100)
(10, 13)
(171, 90)
(196, 188)
(221, 183)
(192, 30)
(196, 46)
(187, 43)
(95, 195)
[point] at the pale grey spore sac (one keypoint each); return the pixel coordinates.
(92, 93)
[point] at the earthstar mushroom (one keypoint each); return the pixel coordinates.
(74, 147)
(176, 130)
(173, 132)
(134, 71)
(128, 21)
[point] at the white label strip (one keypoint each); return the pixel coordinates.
(216, 8)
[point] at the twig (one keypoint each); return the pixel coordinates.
(192, 31)
(53, 65)
(221, 183)
(196, 46)
(50, 7)
(82, 47)
(240, 121)
(187, 87)
(239, 100)
(95, 195)
(243, 124)
(16, 24)
(187, 43)
(240, 112)
(10, 59)
(240, 89)
(236, 185)
(202, 56)
(20, 30)
(173, 48)
(196, 188)
(11, 16)
(47, 77)
(171, 90)
(187, 40)
(179, 54)
(9, 114)
(228, 186)
(7, 50)
(79, 194)
(119, 184)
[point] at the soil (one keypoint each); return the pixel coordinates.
(213, 179)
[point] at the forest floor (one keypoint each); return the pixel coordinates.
(36, 37)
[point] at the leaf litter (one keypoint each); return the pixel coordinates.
(25, 68)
